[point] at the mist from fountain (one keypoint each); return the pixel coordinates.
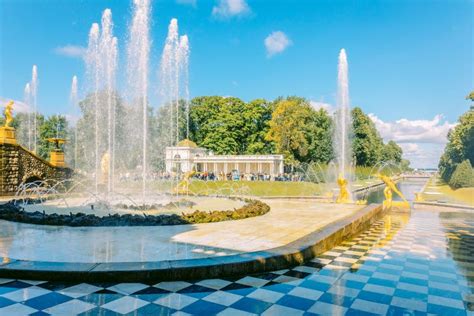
(184, 68)
(108, 48)
(341, 142)
(174, 79)
(27, 100)
(34, 98)
(73, 99)
(93, 68)
(138, 51)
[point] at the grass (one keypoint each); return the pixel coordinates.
(257, 188)
(463, 195)
(248, 188)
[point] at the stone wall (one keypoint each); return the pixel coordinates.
(18, 165)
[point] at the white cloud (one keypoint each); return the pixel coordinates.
(71, 51)
(276, 43)
(230, 8)
(422, 141)
(18, 106)
(187, 2)
(322, 105)
(409, 131)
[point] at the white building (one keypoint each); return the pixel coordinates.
(187, 156)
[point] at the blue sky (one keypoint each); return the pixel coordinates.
(410, 61)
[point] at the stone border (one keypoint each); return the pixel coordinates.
(286, 256)
(14, 213)
(446, 205)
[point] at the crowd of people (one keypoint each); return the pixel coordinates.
(211, 176)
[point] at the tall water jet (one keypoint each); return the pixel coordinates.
(138, 52)
(108, 49)
(342, 145)
(169, 76)
(184, 68)
(93, 73)
(73, 99)
(27, 100)
(34, 99)
(174, 77)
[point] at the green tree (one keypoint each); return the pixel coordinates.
(299, 132)
(460, 146)
(463, 176)
(367, 145)
(229, 125)
(257, 116)
(54, 126)
(392, 152)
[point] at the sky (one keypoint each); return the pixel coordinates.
(410, 61)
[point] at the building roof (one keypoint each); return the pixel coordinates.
(187, 143)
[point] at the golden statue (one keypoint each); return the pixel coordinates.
(344, 196)
(183, 185)
(389, 188)
(8, 113)
(7, 132)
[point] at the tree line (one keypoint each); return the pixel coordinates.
(225, 125)
(455, 165)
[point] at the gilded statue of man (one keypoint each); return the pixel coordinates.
(8, 113)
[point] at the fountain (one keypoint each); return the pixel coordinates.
(138, 51)
(341, 141)
(34, 98)
(174, 77)
(73, 97)
(183, 64)
(93, 73)
(108, 46)
(27, 100)
(112, 137)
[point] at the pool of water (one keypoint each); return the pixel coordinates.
(407, 187)
(407, 263)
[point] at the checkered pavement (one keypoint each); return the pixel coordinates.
(402, 265)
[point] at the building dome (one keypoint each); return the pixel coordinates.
(187, 143)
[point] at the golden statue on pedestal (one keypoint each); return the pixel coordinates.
(389, 187)
(7, 132)
(9, 113)
(344, 196)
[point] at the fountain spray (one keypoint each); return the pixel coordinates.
(34, 96)
(138, 51)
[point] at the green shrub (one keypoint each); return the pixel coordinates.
(253, 208)
(463, 176)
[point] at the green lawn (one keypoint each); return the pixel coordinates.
(257, 188)
(251, 188)
(463, 196)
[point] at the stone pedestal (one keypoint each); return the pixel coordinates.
(56, 158)
(7, 135)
